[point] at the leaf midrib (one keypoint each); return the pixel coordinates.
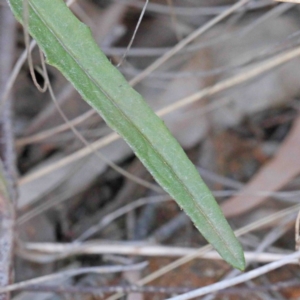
(102, 90)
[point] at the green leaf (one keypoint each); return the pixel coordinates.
(69, 46)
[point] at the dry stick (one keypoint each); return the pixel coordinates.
(209, 91)
(107, 219)
(6, 234)
(8, 194)
(7, 153)
(70, 159)
(153, 51)
(239, 279)
(151, 289)
(131, 248)
(169, 229)
(53, 131)
(234, 80)
(289, 1)
(72, 273)
(113, 289)
(297, 232)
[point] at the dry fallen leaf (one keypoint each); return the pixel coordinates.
(271, 177)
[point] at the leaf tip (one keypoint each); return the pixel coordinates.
(239, 261)
(240, 265)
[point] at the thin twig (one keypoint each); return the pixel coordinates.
(72, 273)
(134, 33)
(27, 45)
(289, 1)
(105, 289)
(55, 130)
(105, 221)
(234, 80)
(151, 289)
(168, 229)
(135, 249)
(297, 232)
(6, 234)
